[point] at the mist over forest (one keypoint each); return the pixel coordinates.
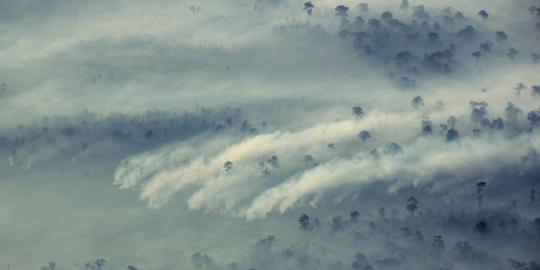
(269, 134)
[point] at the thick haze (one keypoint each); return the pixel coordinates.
(152, 133)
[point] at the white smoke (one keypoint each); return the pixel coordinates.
(341, 161)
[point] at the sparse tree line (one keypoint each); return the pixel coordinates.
(85, 134)
(389, 239)
(430, 43)
(512, 121)
(97, 264)
(422, 239)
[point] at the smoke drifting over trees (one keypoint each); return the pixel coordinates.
(269, 134)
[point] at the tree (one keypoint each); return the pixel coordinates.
(245, 125)
(459, 16)
(49, 266)
(426, 127)
(451, 121)
(273, 161)
(417, 102)
(418, 237)
(535, 90)
(478, 111)
(433, 37)
(309, 159)
(342, 11)
(404, 5)
(68, 131)
(513, 205)
(486, 47)
(393, 149)
(97, 264)
(201, 260)
(467, 33)
(497, 124)
(363, 7)
(412, 205)
(534, 117)
(228, 165)
(304, 223)
(358, 112)
(466, 252)
(519, 87)
(517, 265)
(387, 16)
(501, 36)
(483, 14)
(404, 57)
(364, 135)
(337, 223)
(406, 232)
(420, 13)
(477, 55)
(375, 154)
(266, 243)
(406, 82)
(512, 112)
(438, 243)
(452, 135)
(480, 192)
(481, 227)
(361, 262)
(512, 53)
(308, 7)
(354, 216)
(359, 23)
